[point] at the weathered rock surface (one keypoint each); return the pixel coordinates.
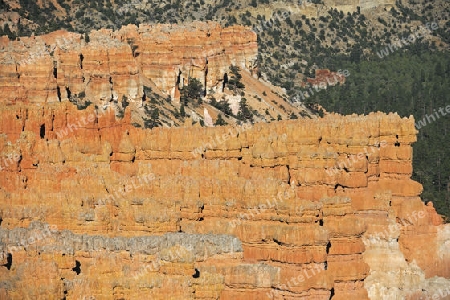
(304, 208)
(353, 5)
(140, 69)
(116, 64)
(324, 78)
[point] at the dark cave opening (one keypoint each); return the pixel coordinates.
(77, 268)
(69, 93)
(8, 261)
(42, 131)
(81, 60)
(197, 274)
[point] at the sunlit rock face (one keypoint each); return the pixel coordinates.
(290, 209)
(352, 5)
(117, 64)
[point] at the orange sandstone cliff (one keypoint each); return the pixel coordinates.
(137, 68)
(94, 208)
(117, 64)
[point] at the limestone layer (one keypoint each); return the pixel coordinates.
(288, 210)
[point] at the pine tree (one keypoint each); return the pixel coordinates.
(193, 91)
(8, 32)
(234, 83)
(220, 121)
(244, 111)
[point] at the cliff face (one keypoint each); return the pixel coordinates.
(117, 64)
(352, 5)
(143, 70)
(96, 208)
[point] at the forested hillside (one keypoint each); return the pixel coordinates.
(409, 83)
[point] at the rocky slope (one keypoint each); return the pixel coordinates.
(93, 207)
(140, 68)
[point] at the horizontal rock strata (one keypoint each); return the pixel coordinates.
(116, 64)
(288, 210)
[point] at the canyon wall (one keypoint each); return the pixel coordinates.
(94, 208)
(110, 65)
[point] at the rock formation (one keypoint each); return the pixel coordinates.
(93, 207)
(141, 68)
(352, 5)
(117, 64)
(325, 78)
